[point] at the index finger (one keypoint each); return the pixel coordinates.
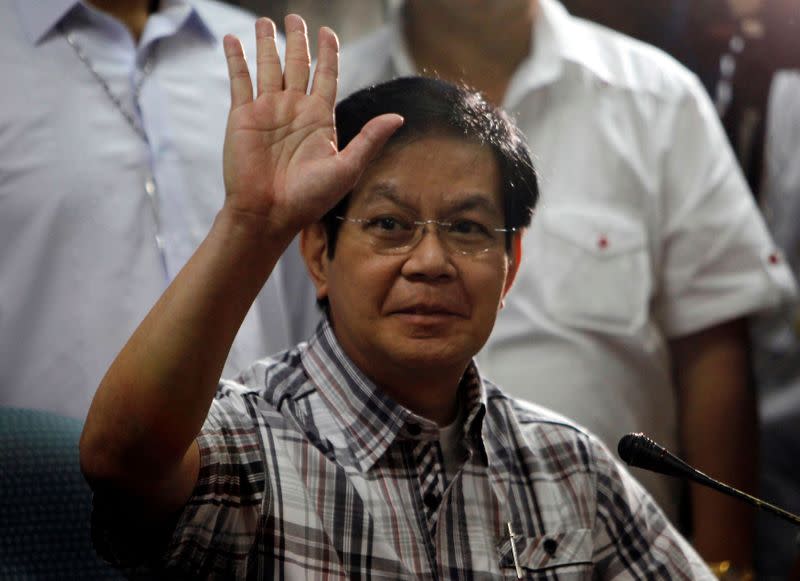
(326, 73)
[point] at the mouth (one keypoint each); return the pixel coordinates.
(428, 311)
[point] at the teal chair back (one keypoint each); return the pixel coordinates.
(45, 504)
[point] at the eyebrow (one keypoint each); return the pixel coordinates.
(470, 201)
(385, 191)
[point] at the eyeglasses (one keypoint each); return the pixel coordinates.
(393, 235)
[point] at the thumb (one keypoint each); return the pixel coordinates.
(367, 144)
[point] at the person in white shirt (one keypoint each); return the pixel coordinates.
(111, 126)
(647, 250)
(776, 335)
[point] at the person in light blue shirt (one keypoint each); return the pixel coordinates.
(111, 125)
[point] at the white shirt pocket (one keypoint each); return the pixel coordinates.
(593, 268)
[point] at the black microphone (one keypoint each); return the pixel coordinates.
(641, 452)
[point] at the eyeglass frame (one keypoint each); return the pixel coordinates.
(419, 226)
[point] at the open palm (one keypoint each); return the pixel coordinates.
(280, 158)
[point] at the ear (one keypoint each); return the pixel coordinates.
(314, 248)
(514, 261)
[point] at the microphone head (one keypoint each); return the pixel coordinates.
(627, 446)
(641, 452)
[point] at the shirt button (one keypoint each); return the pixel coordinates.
(431, 501)
(550, 546)
(774, 258)
(414, 429)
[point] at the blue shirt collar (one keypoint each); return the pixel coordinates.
(39, 17)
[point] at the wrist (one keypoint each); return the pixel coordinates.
(246, 250)
(248, 230)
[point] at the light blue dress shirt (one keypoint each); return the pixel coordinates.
(79, 262)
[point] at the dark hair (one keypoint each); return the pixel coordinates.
(431, 106)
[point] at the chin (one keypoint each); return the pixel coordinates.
(434, 352)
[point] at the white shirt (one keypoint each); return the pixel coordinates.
(645, 232)
(79, 263)
(776, 335)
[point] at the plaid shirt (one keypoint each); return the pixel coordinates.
(308, 471)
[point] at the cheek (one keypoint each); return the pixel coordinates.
(490, 283)
(363, 283)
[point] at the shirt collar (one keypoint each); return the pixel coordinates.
(559, 39)
(204, 19)
(39, 17)
(570, 41)
(555, 38)
(371, 420)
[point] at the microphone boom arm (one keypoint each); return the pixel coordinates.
(641, 452)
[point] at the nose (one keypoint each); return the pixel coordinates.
(430, 257)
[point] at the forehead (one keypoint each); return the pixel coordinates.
(432, 172)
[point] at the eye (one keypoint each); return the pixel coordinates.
(470, 228)
(387, 224)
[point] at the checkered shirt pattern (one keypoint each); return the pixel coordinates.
(308, 471)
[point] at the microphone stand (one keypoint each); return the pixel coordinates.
(641, 452)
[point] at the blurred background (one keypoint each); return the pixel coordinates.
(349, 18)
(734, 46)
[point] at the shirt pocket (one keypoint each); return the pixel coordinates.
(594, 269)
(566, 555)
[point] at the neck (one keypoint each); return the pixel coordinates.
(435, 400)
(430, 391)
(481, 48)
(132, 13)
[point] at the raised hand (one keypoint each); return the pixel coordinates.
(280, 158)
